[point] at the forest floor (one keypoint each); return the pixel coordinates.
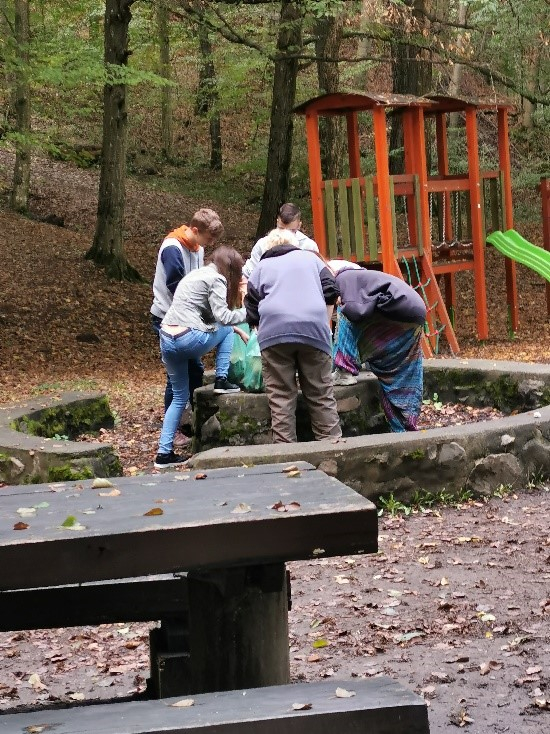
(456, 605)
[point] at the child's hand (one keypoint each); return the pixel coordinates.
(243, 285)
(244, 336)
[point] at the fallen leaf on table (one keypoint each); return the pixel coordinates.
(294, 474)
(302, 706)
(342, 693)
(113, 493)
(241, 509)
(20, 526)
(290, 468)
(71, 523)
(153, 511)
(100, 483)
(201, 476)
(184, 703)
(26, 511)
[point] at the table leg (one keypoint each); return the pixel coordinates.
(239, 628)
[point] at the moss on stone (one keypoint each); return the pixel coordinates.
(67, 473)
(416, 455)
(85, 416)
(238, 425)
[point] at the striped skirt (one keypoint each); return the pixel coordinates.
(393, 351)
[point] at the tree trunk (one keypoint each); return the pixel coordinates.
(412, 74)
(19, 197)
(279, 155)
(531, 65)
(327, 44)
(107, 249)
(166, 94)
(458, 69)
(207, 98)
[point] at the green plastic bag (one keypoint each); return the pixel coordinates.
(252, 380)
(238, 358)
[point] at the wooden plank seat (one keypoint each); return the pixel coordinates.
(143, 599)
(379, 706)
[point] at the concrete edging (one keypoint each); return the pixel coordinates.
(27, 458)
(510, 451)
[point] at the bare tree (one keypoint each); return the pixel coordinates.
(19, 197)
(107, 249)
(166, 93)
(327, 45)
(207, 97)
(279, 155)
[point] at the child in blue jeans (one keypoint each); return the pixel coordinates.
(201, 318)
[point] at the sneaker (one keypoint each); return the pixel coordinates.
(222, 385)
(163, 461)
(341, 377)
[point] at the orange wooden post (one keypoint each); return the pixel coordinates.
(354, 154)
(443, 170)
(422, 171)
(411, 167)
(421, 166)
(449, 228)
(545, 201)
(315, 181)
(477, 223)
(383, 184)
(508, 215)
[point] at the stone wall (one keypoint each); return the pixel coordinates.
(507, 451)
(31, 447)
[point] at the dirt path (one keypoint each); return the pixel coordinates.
(455, 606)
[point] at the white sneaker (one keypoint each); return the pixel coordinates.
(341, 377)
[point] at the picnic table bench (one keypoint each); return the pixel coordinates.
(205, 555)
(377, 706)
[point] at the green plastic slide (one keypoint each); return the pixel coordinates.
(514, 246)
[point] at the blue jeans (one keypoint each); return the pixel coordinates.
(177, 351)
(196, 370)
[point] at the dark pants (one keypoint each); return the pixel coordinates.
(195, 371)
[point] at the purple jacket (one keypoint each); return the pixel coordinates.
(287, 297)
(366, 292)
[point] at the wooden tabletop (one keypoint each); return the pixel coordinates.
(178, 521)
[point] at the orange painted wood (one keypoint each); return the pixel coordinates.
(411, 168)
(315, 181)
(421, 163)
(508, 215)
(452, 266)
(443, 168)
(383, 179)
(477, 224)
(354, 152)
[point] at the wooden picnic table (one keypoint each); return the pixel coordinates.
(231, 530)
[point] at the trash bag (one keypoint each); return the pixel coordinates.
(252, 380)
(238, 357)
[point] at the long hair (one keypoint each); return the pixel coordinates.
(229, 264)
